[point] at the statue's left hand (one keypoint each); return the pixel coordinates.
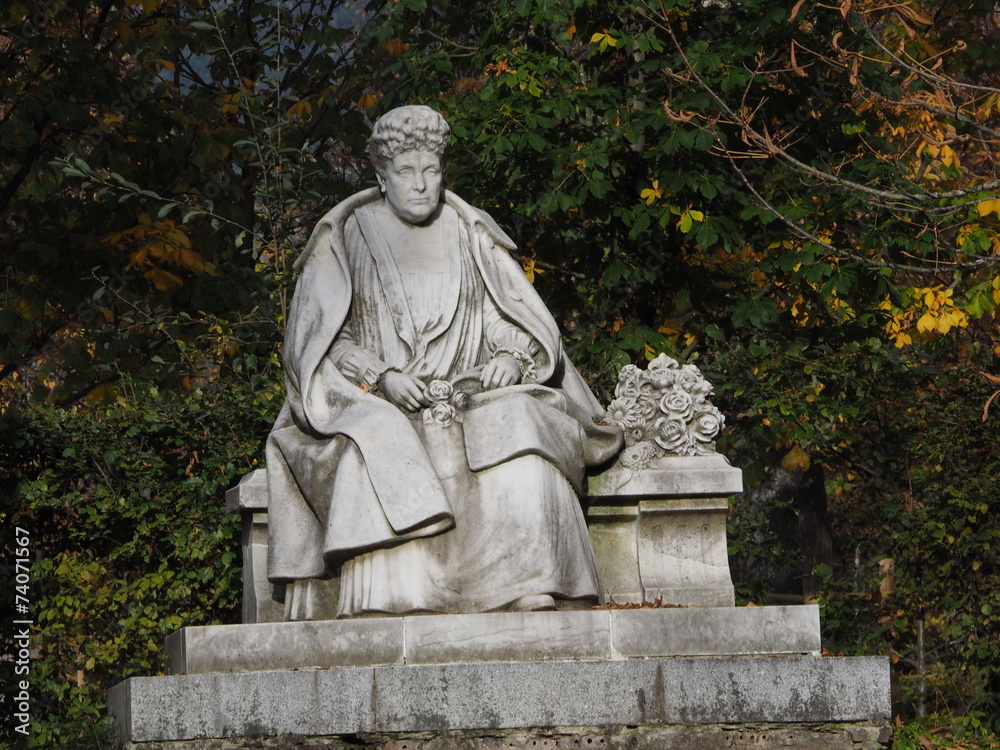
(501, 371)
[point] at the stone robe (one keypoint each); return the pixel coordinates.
(467, 514)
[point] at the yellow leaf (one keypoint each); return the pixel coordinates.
(300, 109)
(927, 322)
(604, 40)
(530, 270)
(985, 208)
(651, 194)
(368, 100)
(796, 458)
(948, 156)
(163, 280)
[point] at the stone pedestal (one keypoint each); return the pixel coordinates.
(659, 534)
(590, 635)
(690, 678)
(683, 675)
(497, 696)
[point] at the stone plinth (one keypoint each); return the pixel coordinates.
(591, 635)
(501, 696)
(660, 533)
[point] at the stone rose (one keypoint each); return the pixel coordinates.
(648, 405)
(706, 426)
(670, 434)
(627, 389)
(663, 378)
(439, 390)
(440, 414)
(677, 404)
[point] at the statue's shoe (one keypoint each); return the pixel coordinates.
(534, 603)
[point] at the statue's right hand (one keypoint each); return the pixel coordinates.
(404, 391)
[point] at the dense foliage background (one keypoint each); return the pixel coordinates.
(801, 198)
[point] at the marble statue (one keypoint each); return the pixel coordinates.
(434, 437)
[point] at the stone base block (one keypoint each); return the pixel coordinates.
(496, 636)
(839, 736)
(503, 696)
(659, 534)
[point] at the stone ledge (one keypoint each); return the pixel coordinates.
(496, 636)
(710, 475)
(525, 695)
(839, 736)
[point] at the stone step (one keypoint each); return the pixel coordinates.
(592, 635)
(458, 697)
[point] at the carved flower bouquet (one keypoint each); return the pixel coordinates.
(663, 411)
(447, 403)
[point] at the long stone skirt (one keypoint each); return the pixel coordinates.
(519, 531)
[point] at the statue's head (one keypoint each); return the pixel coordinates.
(414, 127)
(408, 147)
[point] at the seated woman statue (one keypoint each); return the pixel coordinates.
(434, 437)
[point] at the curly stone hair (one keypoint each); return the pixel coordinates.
(411, 128)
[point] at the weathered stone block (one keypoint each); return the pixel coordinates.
(458, 697)
(716, 631)
(285, 645)
(508, 636)
(660, 533)
(496, 636)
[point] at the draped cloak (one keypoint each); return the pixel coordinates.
(348, 472)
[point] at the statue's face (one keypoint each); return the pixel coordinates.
(412, 185)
